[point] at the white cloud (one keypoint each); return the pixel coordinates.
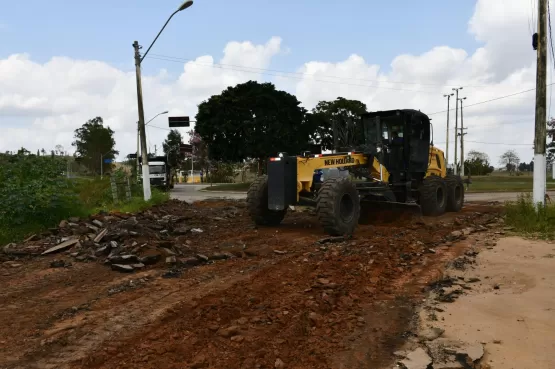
(41, 104)
(51, 100)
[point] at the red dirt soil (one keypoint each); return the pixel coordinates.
(285, 299)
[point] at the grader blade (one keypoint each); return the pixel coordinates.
(387, 212)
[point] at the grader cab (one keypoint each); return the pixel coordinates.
(394, 165)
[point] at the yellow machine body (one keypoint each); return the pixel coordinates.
(307, 165)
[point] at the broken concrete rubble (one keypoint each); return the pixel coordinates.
(417, 359)
(139, 240)
(447, 353)
(431, 334)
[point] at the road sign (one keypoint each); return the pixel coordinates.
(184, 148)
(178, 122)
(107, 161)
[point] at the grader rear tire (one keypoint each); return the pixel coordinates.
(433, 196)
(338, 206)
(455, 193)
(257, 204)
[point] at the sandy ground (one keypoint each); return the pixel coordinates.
(511, 309)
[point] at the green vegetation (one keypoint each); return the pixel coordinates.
(525, 218)
(494, 183)
(505, 183)
(34, 195)
(231, 187)
(252, 121)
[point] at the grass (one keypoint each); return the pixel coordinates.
(92, 196)
(505, 183)
(230, 187)
(492, 183)
(526, 218)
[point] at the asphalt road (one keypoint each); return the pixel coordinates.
(191, 193)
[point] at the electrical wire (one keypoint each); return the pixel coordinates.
(487, 101)
(300, 74)
(302, 78)
(499, 143)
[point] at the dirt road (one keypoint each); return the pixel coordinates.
(254, 298)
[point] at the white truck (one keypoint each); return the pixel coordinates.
(159, 172)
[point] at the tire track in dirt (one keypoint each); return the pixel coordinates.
(72, 339)
(304, 310)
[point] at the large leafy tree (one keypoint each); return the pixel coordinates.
(510, 160)
(252, 120)
(171, 146)
(93, 141)
(338, 118)
(477, 163)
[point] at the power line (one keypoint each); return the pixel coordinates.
(263, 70)
(272, 73)
(153, 126)
(499, 143)
(490, 100)
(302, 78)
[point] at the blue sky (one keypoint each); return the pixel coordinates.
(311, 29)
(431, 40)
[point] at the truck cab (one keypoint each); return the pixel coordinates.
(159, 173)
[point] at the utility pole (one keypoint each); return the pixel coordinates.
(144, 151)
(456, 124)
(138, 61)
(462, 137)
(448, 96)
(541, 95)
(138, 151)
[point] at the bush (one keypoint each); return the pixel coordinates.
(34, 194)
(221, 173)
(33, 190)
(525, 217)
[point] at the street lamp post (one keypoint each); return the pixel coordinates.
(456, 124)
(138, 128)
(448, 96)
(462, 136)
(142, 130)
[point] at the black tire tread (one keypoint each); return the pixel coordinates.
(452, 181)
(326, 210)
(257, 204)
(428, 196)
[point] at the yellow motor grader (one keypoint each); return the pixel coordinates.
(396, 166)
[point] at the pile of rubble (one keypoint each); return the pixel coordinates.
(126, 242)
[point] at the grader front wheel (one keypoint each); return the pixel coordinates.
(257, 202)
(338, 206)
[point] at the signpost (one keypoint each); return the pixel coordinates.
(175, 122)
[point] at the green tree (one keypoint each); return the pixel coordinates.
(477, 163)
(510, 160)
(200, 151)
(171, 146)
(341, 118)
(252, 120)
(93, 141)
